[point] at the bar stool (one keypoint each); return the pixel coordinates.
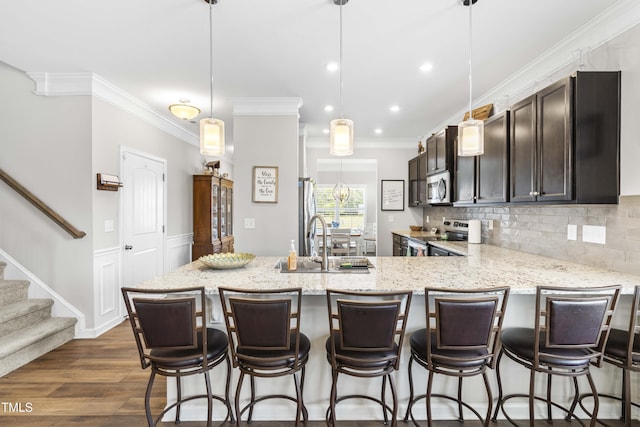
(266, 342)
(172, 338)
(461, 340)
(366, 332)
(570, 334)
(623, 351)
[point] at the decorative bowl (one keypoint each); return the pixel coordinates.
(415, 227)
(227, 260)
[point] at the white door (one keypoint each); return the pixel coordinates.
(143, 214)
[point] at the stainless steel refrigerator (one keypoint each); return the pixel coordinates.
(306, 209)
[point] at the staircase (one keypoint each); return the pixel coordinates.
(27, 330)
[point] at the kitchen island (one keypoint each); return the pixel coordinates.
(483, 266)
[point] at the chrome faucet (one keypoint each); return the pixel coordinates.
(324, 262)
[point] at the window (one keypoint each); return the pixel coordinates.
(348, 215)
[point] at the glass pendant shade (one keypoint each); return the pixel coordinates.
(341, 193)
(211, 137)
(341, 137)
(471, 138)
(184, 111)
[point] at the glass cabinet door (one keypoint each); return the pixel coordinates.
(229, 215)
(223, 211)
(215, 188)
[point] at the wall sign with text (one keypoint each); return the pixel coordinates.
(265, 184)
(392, 194)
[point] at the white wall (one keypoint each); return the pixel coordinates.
(266, 140)
(113, 128)
(45, 145)
(54, 146)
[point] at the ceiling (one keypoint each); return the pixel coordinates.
(158, 52)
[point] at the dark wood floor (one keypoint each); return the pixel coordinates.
(99, 383)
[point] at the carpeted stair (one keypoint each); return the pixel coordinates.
(27, 330)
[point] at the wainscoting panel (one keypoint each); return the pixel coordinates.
(178, 251)
(106, 282)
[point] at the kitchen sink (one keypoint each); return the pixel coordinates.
(337, 265)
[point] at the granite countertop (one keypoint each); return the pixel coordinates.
(483, 266)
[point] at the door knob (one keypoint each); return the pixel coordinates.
(128, 247)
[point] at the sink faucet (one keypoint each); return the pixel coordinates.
(324, 263)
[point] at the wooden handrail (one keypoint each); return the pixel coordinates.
(43, 207)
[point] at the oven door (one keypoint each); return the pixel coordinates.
(439, 188)
(416, 248)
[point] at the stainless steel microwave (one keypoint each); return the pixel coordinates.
(439, 188)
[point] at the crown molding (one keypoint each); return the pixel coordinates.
(270, 106)
(90, 84)
(369, 144)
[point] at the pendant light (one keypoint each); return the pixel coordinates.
(341, 130)
(211, 130)
(470, 131)
(341, 192)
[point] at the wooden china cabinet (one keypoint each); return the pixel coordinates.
(212, 215)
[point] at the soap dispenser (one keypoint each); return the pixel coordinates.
(292, 260)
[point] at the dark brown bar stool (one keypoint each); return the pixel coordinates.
(570, 334)
(623, 351)
(365, 340)
(266, 342)
(461, 340)
(170, 330)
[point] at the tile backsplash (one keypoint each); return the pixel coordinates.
(544, 230)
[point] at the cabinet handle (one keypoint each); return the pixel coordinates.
(534, 193)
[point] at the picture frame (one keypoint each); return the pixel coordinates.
(392, 194)
(265, 184)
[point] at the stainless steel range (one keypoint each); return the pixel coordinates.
(455, 230)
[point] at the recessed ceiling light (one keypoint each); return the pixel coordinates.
(332, 66)
(426, 67)
(378, 131)
(325, 131)
(328, 108)
(394, 108)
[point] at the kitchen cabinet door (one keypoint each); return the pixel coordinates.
(465, 180)
(418, 181)
(440, 147)
(492, 168)
(522, 150)
(554, 137)
(540, 146)
(485, 179)
(400, 245)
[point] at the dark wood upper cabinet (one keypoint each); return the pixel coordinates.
(440, 147)
(492, 175)
(565, 141)
(465, 180)
(418, 181)
(484, 179)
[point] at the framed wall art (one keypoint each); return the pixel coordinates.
(265, 184)
(392, 194)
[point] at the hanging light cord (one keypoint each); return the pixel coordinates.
(470, 68)
(211, 54)
(341, 108)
